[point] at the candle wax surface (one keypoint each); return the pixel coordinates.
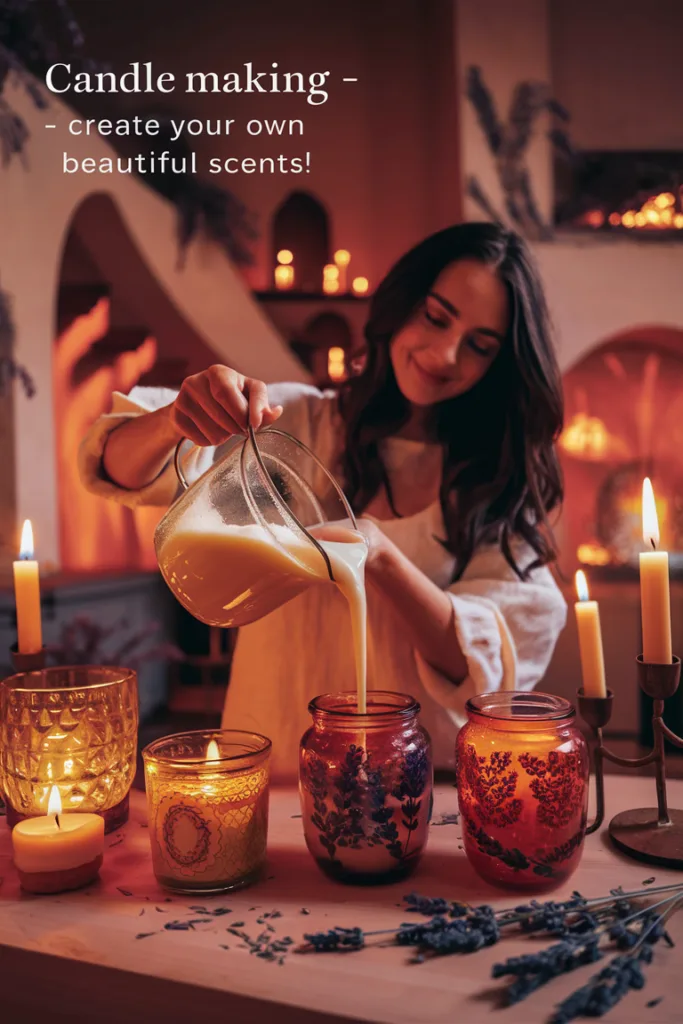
(41, 846)
(590, 647)
(655, 605)
(27, 597)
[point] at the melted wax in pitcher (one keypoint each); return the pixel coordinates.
(229, 576)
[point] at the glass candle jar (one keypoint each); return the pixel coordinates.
(522, 774)
(365, 783)
(75, 728)
(207, 798)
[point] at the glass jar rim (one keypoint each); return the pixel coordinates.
(260, 748)
(381, 705)
(517, 706)
(118, 675)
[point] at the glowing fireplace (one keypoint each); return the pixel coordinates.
(624, 421)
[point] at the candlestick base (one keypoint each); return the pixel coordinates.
(653, 835)
(28, 662)
(639, 834)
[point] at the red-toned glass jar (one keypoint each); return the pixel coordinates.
(522, 767)
(365, 783)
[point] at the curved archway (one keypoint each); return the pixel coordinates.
(301, 224)
(623, 421)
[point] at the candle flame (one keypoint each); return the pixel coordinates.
(54, 804)
(26, 546)
(581, 585)
(212, 751)
(650, 522)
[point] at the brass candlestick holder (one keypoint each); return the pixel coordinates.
(28, 662)
(651, 834)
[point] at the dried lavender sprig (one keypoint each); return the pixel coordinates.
(603, 991)
(533, 970)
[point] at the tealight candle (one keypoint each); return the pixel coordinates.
(207, 797)
(57, 852)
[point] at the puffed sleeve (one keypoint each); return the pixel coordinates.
(507, 629)
(307, 413)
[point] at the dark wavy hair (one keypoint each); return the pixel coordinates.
(501, 477)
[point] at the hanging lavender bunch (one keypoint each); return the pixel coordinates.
(27, 49)
(10, 370)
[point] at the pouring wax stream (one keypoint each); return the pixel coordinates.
(228, 575)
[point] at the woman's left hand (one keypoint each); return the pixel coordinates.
(377, 543)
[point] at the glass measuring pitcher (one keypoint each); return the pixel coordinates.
(237, 544)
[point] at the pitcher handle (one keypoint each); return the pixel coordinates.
(180, 473)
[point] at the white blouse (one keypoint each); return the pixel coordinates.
(507, 628)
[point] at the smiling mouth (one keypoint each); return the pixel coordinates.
(433, 379)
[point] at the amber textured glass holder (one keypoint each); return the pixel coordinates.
(650, 834)
(365, 783)
(207, 798)
(74, 727)
(522, 774)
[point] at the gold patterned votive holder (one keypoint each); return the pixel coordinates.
(207, 799)
(74, 727)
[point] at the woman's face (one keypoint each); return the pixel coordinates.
(448, 346)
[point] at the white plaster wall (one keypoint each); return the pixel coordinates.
(597, 288)
(36, 205)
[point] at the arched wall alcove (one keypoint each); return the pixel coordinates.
(301, 224)
(623, 421)
(36, 213)
(323, 334)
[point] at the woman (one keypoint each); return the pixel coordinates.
(445, 446)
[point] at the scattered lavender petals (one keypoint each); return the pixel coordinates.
(141, 912)
(654, 1002)
(124, 892)
(305, 911)
(144, 935)
(648, 881)
(160, 910)
(447, 819)
(296, 816)
(117, 843)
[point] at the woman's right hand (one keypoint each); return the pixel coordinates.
(215, 404)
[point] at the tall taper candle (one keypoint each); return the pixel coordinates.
(27, 595)
(655, 601)
(590, 640)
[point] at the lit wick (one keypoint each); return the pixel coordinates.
(54, 805)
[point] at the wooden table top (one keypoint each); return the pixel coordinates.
(76, 957)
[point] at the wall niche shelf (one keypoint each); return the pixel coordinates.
(294, 296)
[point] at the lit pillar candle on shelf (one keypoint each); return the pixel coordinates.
(360, 285)
(27, 595)
(284, 277)
(342, 258)
(57, 852)
(590, 640)
(330, 279)
(655, 603)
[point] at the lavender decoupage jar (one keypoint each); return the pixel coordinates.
(365, 782)
(522, 775)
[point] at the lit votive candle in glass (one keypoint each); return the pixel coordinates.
(57, 852)
(207, 799)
